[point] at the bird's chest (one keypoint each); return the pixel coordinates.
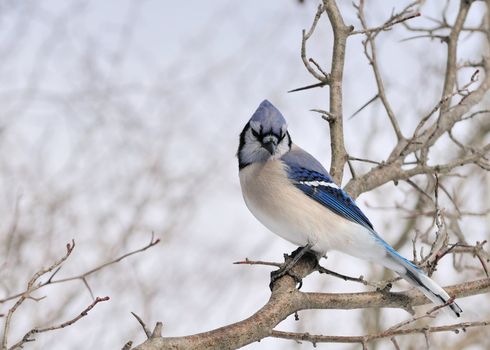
(274, 201)
(263, 187)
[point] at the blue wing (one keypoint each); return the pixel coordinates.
(309, 176)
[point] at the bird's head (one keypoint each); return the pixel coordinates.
(265, 136)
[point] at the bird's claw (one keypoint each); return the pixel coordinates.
(385, 289)
(283, 271)
(290, 261)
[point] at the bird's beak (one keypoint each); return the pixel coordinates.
(270, 147)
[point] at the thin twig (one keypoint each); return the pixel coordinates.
(387, 25)
(359, 279)
(84, 275)
(323, 78)
(257, 262)
(370, 53)
(30, 288)
(456, 327)
(143, 325)
(371, 100)
(28, 337)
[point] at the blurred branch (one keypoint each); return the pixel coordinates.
(370, 53)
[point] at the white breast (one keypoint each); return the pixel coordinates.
(291, 214)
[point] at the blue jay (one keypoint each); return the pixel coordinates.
(293, 195)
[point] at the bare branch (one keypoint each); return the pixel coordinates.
(30, 288)
(323, 78)
(84, 275)
(370, 53)
(371, 100)
(285, 300)
(359, 279)
(387, 25)
(257, 262)
(314, 339)
(341, 32)
(28, 337)
(409, 157)
(143, 325)
(452, 47)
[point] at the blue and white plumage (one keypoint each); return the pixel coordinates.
(293, 195)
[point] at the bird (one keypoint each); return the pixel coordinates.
(294, 196)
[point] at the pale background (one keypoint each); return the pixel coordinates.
(121, 118)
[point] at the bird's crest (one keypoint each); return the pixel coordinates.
(268, 119)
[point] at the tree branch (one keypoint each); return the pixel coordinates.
(370, 52)
(28, 337)
(285, 300)
(314, 339)
(30, 288)
(421, 142)
(83, 275)
(323, 78)
(452, 47)
(340, 32)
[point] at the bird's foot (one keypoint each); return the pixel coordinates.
(281, 272)
(290, 261)
(385, 289)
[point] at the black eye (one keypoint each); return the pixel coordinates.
(282, 136)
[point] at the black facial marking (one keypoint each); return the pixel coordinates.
(257, 134)
(281, 136)
(260, 135)
(241, 164)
